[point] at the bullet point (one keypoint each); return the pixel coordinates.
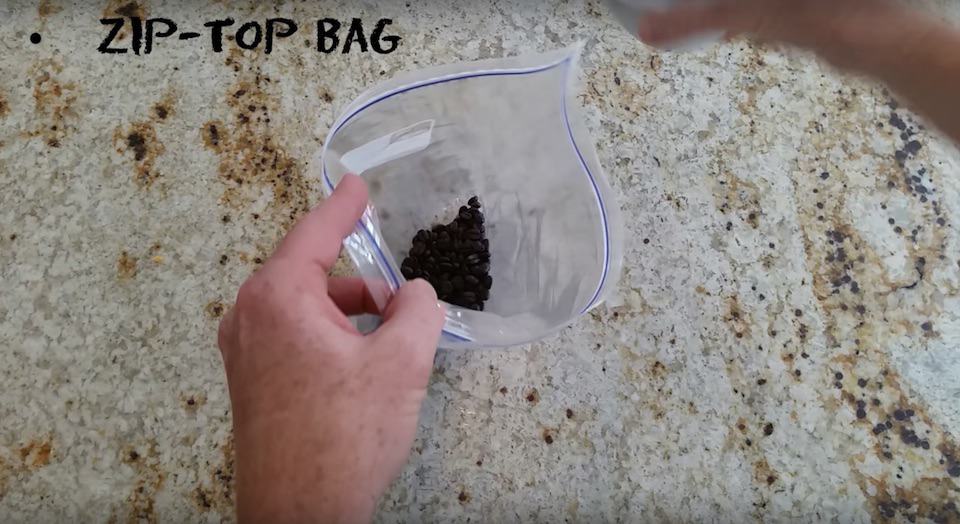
(35, 38)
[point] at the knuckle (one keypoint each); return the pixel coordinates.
(254, 291)
(255, 298)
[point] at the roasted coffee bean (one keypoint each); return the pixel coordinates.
(454, 258)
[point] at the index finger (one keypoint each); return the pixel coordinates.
(319, 234)
(798, 22)
(685, 21)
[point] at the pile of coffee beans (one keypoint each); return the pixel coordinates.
(454, 258)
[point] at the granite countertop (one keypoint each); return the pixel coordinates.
(783, 345)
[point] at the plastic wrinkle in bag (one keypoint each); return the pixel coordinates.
(507, 130)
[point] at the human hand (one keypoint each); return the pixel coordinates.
(900, 45)
(845, 32)
(323, 417)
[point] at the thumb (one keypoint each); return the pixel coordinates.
(411, 328)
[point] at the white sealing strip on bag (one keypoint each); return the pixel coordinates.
(407, 141)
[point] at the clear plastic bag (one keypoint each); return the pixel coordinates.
(508, 131)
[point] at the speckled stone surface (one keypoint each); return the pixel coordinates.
(783, 346)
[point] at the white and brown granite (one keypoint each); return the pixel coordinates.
(784, 345)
